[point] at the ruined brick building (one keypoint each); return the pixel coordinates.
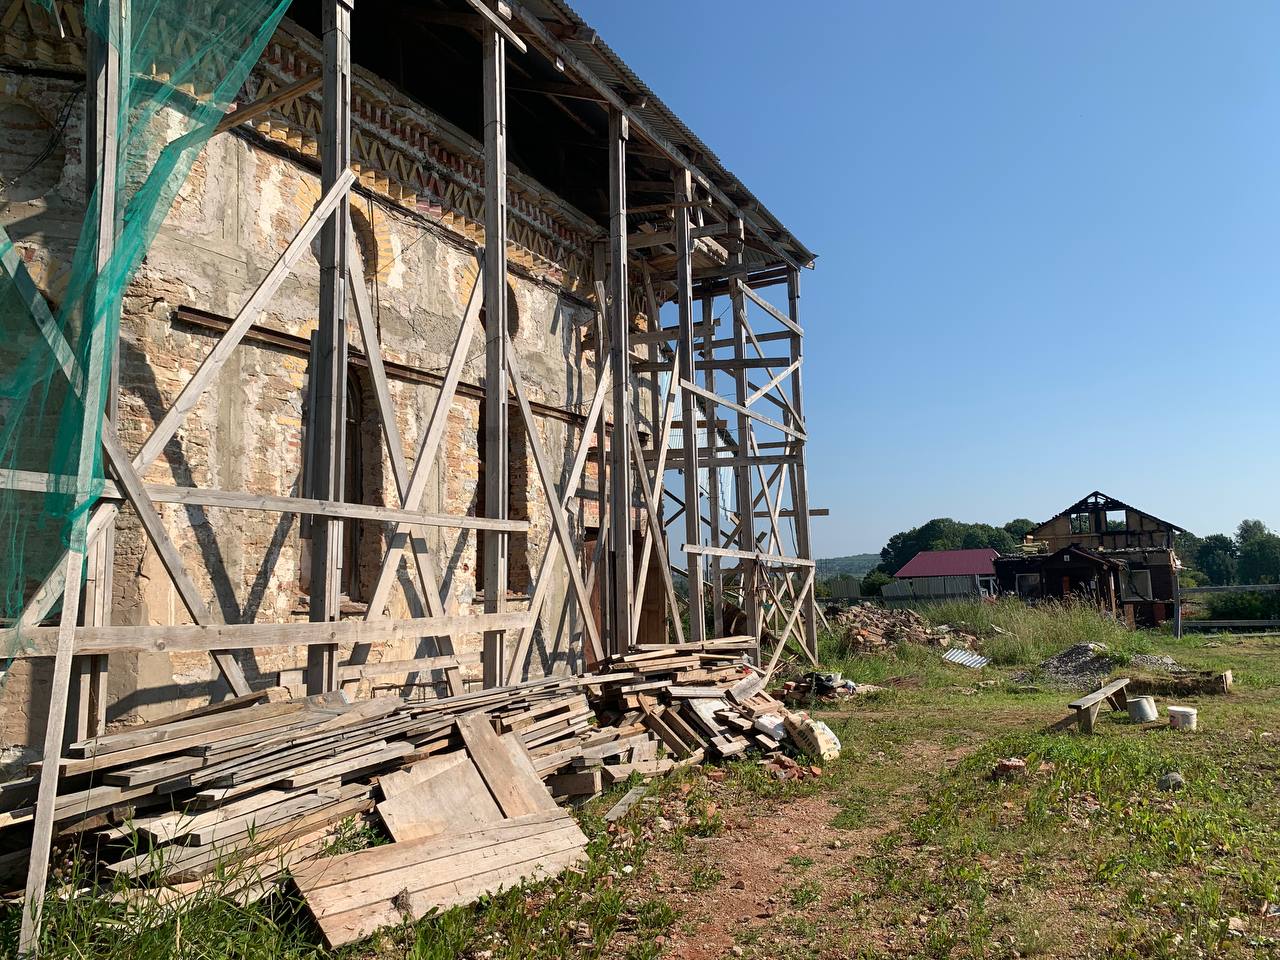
(498, 154)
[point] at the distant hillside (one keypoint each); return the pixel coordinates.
(858, 565)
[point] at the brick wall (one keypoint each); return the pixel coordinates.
(235, 214)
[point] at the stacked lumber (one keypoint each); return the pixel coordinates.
(696, 699)
(465, 787)
(259, 781)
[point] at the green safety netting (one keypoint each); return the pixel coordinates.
(180, 66)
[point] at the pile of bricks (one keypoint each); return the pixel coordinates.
(866, 628)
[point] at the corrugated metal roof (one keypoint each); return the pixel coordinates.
(965, 658)
(951, 563)
(605, 63)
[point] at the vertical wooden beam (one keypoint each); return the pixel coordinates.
(800, 479)
(106, 84)
(713, 480)
(102, 111)
(496, 447)
(620, 487)
(599, 579)
(742, 472)
(688, 404)
(327, 377)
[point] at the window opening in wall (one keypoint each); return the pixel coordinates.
(1137, 585)
(518, 466)
(1080, 523)
(352, 488)
(1117, 521)
(1029, 585)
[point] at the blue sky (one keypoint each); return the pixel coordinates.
(1047, 234)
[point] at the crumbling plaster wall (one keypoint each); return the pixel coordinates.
(239, 208)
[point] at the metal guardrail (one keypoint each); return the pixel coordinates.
(1233, 588)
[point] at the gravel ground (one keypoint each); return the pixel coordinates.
(1084, 664)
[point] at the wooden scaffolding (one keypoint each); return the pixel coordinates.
(713, 497)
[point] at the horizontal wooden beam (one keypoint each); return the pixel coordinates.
(239, 500)
(747, 363)
(41, 641)
(667, 334)
(765, 558)
(813, 512)
(658, 238)
(390, 668)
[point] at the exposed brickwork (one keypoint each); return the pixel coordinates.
(235, 214)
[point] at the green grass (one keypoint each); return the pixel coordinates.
(1085, 856)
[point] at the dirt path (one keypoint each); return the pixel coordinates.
(774, 861)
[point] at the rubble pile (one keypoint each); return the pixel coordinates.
(867, 628)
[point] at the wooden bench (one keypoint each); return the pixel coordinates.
(1086, 708)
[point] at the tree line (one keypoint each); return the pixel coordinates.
(1250, 555)
(942, 533)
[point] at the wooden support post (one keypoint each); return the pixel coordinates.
(102, 113)
(800, 479)
(106, 84)
(598, 577)
(688, 404)
(620, 487)
(743, 499)
(1177, 605)
(327, 374)
(713, 481)
(496, 448)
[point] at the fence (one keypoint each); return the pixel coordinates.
(1181, 624)
(903, 593)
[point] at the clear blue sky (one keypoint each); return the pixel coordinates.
(1048, 238)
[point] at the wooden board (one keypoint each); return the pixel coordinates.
(399, 781)
(354, 895)
(455, 800)
(505, 767)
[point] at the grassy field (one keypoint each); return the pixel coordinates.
(906, 846)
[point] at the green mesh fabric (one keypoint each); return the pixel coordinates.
(181, 65)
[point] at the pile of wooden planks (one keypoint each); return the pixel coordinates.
(696, 699)
(259, 779)
(242, 792)
(464, 824)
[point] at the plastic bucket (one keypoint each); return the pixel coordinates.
(1142, 709)
(1182, 718)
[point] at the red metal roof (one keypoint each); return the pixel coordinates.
(951, 563)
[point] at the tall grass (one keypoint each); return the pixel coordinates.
(1017, 633)
(1011, 633)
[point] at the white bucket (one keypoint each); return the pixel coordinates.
(1182, 718)
(1142, 709)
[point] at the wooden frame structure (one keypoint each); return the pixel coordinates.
(697, 426)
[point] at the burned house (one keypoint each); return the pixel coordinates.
(1103, 550)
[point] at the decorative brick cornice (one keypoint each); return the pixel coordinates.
(400, 150)
(419, 161)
